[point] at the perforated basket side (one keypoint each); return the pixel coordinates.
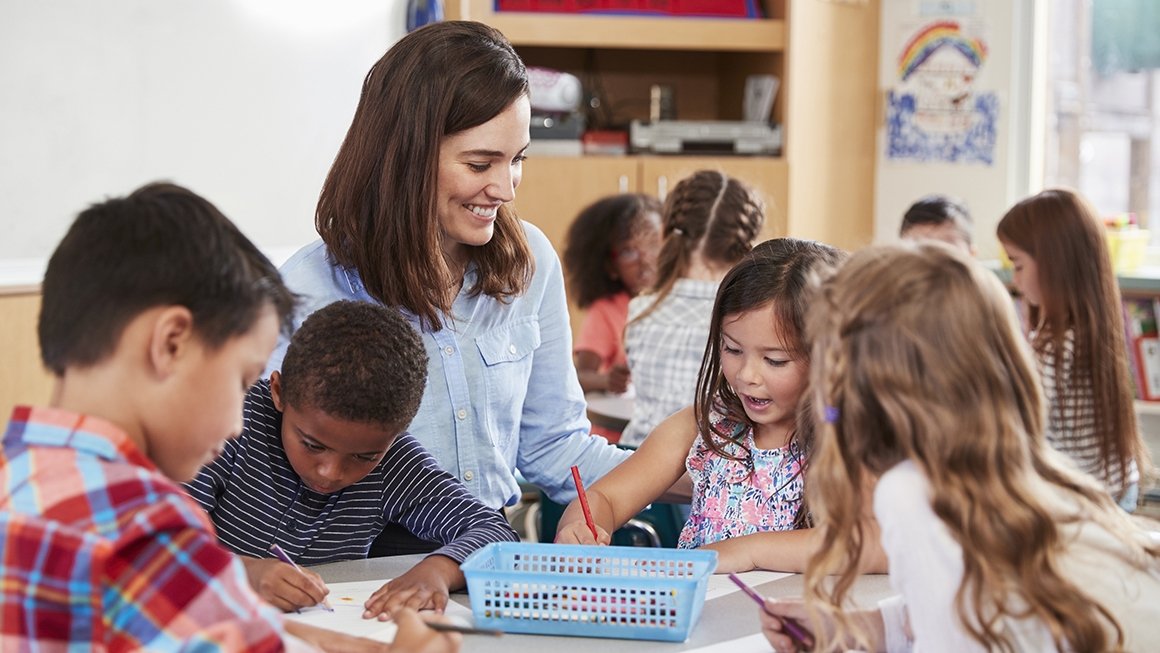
(620, 592)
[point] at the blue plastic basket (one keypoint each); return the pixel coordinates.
(588, 591)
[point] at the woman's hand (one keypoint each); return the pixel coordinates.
(283, 585)
(425, 587)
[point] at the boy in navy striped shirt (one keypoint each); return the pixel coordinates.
(323, 464)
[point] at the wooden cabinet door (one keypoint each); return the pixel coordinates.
(768, 176)
(555, 189)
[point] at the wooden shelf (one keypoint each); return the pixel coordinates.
(1150, 408)
(627, 32)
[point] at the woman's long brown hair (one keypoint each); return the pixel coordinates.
(377, 210)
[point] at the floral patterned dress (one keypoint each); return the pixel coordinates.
(761, 492)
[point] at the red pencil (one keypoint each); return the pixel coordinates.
(584, 502)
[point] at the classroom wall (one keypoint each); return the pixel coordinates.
(244, 101)
(1010, 29)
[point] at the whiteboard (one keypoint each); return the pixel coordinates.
(244, 101)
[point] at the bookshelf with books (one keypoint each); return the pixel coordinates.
(620, 57)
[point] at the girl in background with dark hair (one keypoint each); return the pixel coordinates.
(610, 258)
(1062, 268)
(710, 221)
(415, 213)
(743, 443)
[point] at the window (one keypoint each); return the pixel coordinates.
(1103, 107)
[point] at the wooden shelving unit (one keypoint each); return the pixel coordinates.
(632, 32)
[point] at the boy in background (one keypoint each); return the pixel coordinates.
(938, 217)
(157, 315)
(323, 464)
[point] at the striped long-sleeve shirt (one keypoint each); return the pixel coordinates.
(1072, 428)
(100, 552)
(255, 499)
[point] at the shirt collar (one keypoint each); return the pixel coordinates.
(54, 427)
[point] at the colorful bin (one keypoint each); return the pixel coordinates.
(588, 591)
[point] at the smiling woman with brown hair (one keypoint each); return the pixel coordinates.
(415, 213)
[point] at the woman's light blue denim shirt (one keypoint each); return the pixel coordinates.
(502, 392)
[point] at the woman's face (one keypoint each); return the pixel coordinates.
(479, 169)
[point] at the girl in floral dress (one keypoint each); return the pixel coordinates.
(742, 442)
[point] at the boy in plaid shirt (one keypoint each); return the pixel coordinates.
(157, 316)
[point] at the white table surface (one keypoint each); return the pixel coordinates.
(723, 619)
(614, 406)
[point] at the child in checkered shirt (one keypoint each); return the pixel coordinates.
(710, 221)
(157, 315)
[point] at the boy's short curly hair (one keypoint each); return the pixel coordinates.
(356, 361)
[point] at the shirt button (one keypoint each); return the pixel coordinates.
(468, 475)
(449, 350)
(512, 348)
(462, 413)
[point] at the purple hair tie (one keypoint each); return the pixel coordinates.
(831, 414)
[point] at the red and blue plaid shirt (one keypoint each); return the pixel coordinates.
(100, 551)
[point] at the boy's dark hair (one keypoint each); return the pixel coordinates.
(161, 245)
(356, 361)
(937, 210)
(591, 239)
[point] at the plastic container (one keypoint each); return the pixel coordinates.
(588, 591)
(1126, 248)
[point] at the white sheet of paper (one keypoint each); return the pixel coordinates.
(720, 585)
(347, 599)
(751, 644)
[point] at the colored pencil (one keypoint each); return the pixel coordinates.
(584, 501)
(797, 632)
(281, 555)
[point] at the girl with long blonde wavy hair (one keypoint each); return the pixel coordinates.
(923, 383)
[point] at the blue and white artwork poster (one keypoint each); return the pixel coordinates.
(968, 138)
(937, 111)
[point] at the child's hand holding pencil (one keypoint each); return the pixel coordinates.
(575, 531)
(782, 630)
(284, 584)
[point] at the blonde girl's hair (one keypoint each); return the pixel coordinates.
(709, 212)
(1059, 230)
(917, 355)
(775, 273)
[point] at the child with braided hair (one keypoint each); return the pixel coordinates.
(710, 220)
(743, 443)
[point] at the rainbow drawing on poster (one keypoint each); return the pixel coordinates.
(934, 37)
